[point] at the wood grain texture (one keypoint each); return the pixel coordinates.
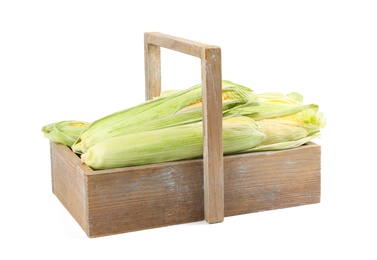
(148, 197)
(212, 109)
(152, 56)
(212, 127)
(272, 180)
(175, 43)
(69, 182)
(128, 199)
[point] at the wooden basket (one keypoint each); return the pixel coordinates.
(106, 202)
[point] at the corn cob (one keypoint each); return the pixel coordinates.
(271, 105)
(140, 134)
(176, 108)
(64, 132)
(170, 144)
(285, 120)
(290, 131)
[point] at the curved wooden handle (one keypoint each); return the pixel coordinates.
(212, 109)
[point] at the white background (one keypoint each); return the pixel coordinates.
(84, 59)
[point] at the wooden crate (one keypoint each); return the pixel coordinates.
(128, 199)
(106, 202)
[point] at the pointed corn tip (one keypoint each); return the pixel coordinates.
(78, 147)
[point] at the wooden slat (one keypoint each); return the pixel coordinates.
(152, 63)
(212, 109)
(137, 198)
(212, 123)
(272, 180)
(69, 182)
(175, 43)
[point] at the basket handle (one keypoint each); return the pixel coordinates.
(212, 109)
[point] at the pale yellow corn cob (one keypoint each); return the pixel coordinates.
(177, 108)
(65, 132)
(170, 144)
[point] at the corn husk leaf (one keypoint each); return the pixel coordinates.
(176, 108)
(272, 105)
(290, 131)
(170, 144)
(282, 145)
(65, 132)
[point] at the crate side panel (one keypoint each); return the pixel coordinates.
(272, 180)
(68, 182)
(140, 198)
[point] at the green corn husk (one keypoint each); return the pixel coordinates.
(290, 131)
(285, 120)
(172, 109)
(169, 127)
(170, 144)
(282, 145)
(65, 132)
(271, 105)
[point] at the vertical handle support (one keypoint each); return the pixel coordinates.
(210, 56)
